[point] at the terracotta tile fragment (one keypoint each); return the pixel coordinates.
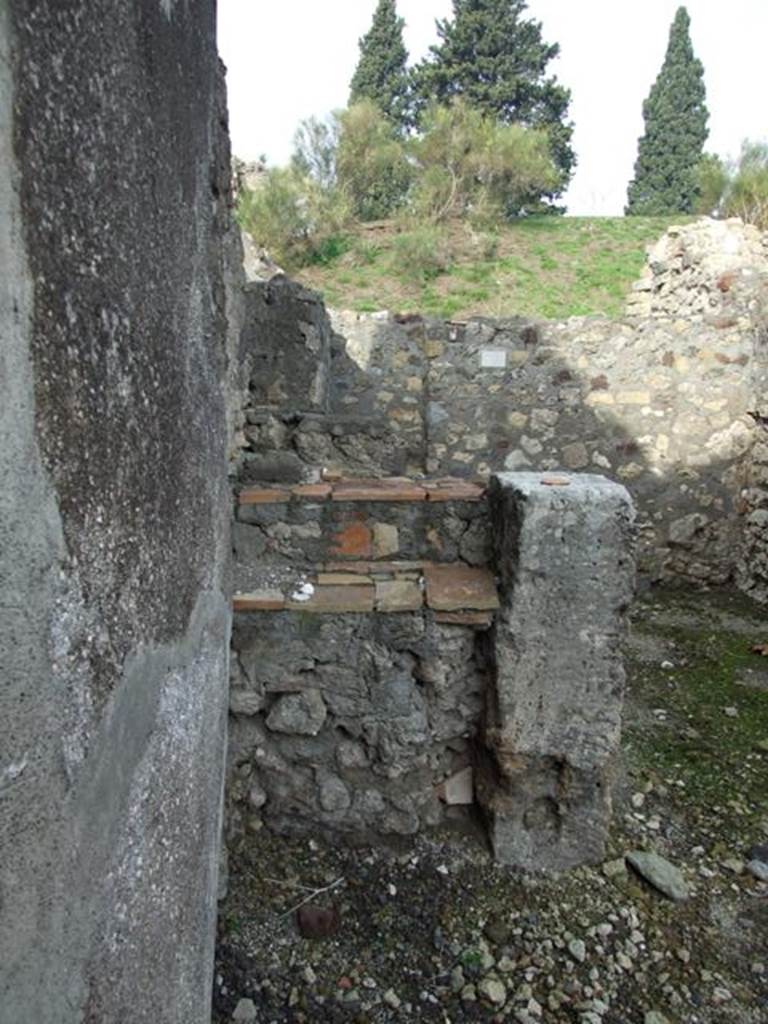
(452, 588)
(259, 601)
(264, 495)
(385, 489)
(454, 489)
(319, 491)
(398, 596)
(353, 541)
(327, 600)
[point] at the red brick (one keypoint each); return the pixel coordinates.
(452, 588)
(453, 489)
(353, 541)
(386, 489)
(264, 495)
(319, 491)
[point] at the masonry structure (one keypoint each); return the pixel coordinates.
(366, 450)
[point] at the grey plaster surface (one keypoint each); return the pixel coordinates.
(114, 616)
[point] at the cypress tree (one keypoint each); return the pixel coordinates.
(496, 59)
(381, 74)
(675, 115)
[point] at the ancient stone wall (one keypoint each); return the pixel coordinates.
(114, 510)
(666, 401)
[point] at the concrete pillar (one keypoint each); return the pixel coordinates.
(564, 550)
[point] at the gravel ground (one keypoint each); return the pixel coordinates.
(437, 932)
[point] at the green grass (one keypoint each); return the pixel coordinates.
(716, 758)
(550, 267)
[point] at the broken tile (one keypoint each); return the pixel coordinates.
(385, 489)
(454, 587)
(317, 491)
(454, 489)
(264, 495)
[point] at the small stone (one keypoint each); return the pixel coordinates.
(469, 994)
(458, 980)
(317, 922)
(721, 995)
(497, 930)
(578, 950)
(660, 873)
(731, 712)
(734, 865)
(493, 990)
(614, 868)
(758, 852)
(758, 869)
(654, 1017)
(638, 799)
(301, 713)
(309, 975)
(392, 999)
(245, 1010)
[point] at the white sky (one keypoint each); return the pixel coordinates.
(288, 59)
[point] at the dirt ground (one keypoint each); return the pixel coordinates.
(437, 932)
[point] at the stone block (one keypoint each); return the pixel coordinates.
(478, 620)
(398, 596)
(336, 600)
(553, 718)
(259, 601)
(452, 588)
(386, 540)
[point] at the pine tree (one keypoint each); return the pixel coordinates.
(675, 115)
(381, 74)
(496, 60)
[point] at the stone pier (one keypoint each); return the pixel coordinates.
(564, 552)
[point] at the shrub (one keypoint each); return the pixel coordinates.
(736, 189)
(747, 193)
(295, 219)
(469, 165)
(371, 163)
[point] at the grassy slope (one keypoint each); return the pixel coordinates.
(548, 267)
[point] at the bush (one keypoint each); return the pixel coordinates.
(372, 167)
(294, 219)
(469, 165)
(738, 189)
(747, 193)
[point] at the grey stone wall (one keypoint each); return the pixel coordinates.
(114, 509)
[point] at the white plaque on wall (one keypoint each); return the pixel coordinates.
(493, 358)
